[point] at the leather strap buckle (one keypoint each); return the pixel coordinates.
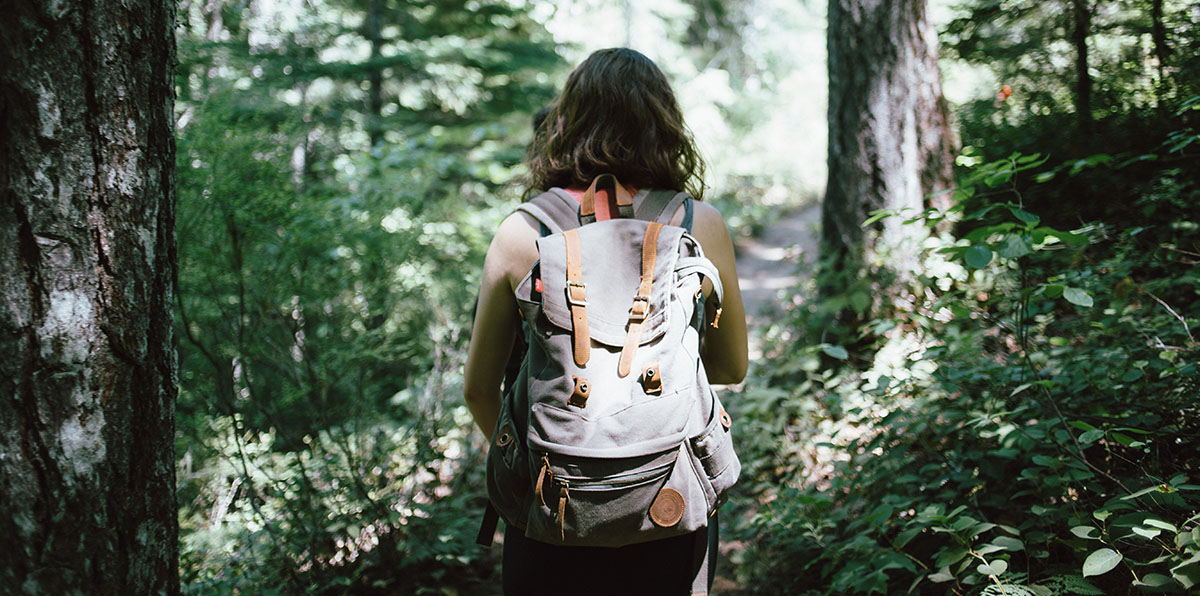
(581, 299)
(637, 314)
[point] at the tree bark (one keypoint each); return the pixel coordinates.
(87, 261)
(1158, 31)
(890, 141)
(1083, 78)
(374, 23)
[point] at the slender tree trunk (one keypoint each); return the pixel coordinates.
(890, 141)
(1083, 78)
(87, 260)
(375, 94)
(1162, 49)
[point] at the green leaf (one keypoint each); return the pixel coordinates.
(1045, 460)
(978, 256)
(943, 575)
(1160, 524)
(860, 301)
(994, 568)
(1077, 296)
(1126, 440)
(1024, 215)
(1131, 375)
(1148, 533)
(1015, 246)
(1154, 580)
(1085, 532)
(1101, 562)
(1055, 290)
(951, 556)
(835, 352)
(877, 215)
(1008, 543)
(906, 536)
(1091, 436)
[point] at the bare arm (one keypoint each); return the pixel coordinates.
(724, 350)
(510, 255)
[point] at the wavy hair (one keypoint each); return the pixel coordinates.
(618, 115)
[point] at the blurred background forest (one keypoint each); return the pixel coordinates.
(1018, 416)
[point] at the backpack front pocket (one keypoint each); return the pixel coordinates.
(581, 501)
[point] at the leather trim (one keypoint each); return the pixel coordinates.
(640, 309)
(577, 299)
(668, 508)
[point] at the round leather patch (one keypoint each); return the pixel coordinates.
(667, 508)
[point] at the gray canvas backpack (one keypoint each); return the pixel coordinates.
(610, 434)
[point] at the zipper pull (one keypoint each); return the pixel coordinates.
(544, 475)
(563, 497)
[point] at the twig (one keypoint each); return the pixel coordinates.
(1187, 329)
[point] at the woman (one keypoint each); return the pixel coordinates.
(617, 114)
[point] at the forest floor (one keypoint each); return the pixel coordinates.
(769, 265)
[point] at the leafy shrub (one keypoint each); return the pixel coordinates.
(1028, 426)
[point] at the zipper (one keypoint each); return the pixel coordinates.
(615, 482)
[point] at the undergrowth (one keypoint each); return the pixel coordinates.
(1028, 426)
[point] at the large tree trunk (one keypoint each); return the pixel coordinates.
(87, 262)
(890, 142)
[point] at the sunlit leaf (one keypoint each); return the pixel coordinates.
(1101, 562)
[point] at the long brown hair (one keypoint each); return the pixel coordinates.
(618, 115)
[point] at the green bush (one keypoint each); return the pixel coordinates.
(1029, 426)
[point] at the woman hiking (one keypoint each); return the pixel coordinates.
(614, 135)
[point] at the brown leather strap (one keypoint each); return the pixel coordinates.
(587, 206)
(563, 496)
(640, 310)
(577, 298)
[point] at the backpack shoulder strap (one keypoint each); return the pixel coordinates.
(554, 209)
(660, 206)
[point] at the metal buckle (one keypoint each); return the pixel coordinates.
(639, 316)
(582, 287)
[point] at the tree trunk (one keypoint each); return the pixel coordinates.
(87, 262)
(1158, 31)
(890, 141)
(1083, 78)
(374, 24)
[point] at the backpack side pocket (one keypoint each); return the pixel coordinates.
(713, 456)
(508, 484)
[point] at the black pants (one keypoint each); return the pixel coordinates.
(659, 568)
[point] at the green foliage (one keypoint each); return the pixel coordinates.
(329, 248)
(1028, 427)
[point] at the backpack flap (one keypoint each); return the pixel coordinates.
(611, 256)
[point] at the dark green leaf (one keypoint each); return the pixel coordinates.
(978, 256)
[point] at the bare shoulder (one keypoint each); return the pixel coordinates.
(709, 227)
(514, 248)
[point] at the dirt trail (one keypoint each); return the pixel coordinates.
(771, 263)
